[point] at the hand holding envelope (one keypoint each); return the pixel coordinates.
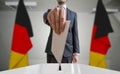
(57, 19)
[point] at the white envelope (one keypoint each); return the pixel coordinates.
(58, 43)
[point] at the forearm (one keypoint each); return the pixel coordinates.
(75, 36)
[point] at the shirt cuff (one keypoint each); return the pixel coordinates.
(76, 54)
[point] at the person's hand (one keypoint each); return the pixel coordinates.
(75, 58)
(57, 19)
(53, 18)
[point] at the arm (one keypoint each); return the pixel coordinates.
(75, 41)
(75, 36)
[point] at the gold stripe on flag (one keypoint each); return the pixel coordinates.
(18, 60)
(97, 59)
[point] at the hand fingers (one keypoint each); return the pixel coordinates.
(74, 60)
(62, 19)
(50, 20)
(53, 20)
(57, 21)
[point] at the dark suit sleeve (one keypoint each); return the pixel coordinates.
(45, 17)
(75, 36)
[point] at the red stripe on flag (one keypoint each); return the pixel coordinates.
(21, 40)
(101, 44)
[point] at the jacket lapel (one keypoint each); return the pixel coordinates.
(68, 14)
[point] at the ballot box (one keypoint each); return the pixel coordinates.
(54, 69)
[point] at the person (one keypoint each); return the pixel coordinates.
(71, 50)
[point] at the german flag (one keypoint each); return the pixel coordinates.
(100, 42)
(21, 42)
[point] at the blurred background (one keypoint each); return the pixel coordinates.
(84, 10)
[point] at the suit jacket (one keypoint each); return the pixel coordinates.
(72, 41)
